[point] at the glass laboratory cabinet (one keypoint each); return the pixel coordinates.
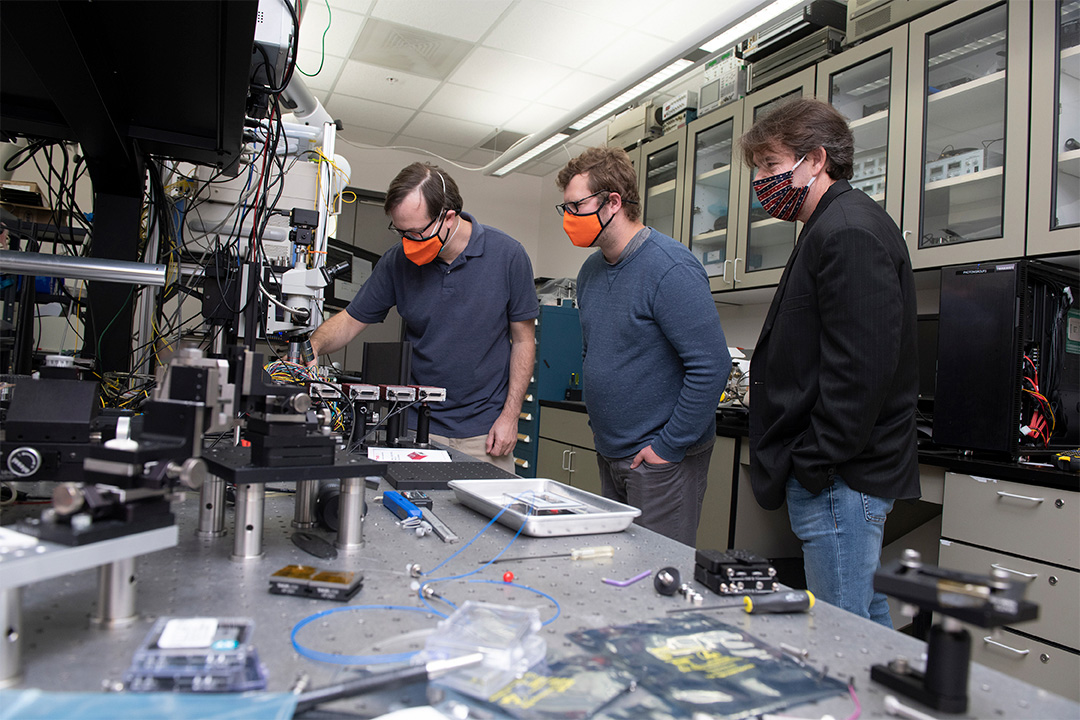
(765, 243)
(1054, 212)
(966, 181)
(710, 213)
(866, 84)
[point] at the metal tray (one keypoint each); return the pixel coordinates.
(543, 508)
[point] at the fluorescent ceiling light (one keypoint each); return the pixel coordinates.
(526, 157)
(741, 30)
(649, 83)
(557, 134)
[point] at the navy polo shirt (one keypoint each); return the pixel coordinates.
(457, 318)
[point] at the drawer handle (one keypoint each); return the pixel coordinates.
(1002, 493)
(990, 641)
(1026, 576)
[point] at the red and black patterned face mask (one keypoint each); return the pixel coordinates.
(779, 197)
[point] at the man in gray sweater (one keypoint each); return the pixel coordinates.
(655, 357)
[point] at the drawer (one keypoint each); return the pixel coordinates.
(1034, 662)
(566, 426)
(1056, 590)
(1021, 519)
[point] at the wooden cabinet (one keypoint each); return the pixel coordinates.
(1032, 534)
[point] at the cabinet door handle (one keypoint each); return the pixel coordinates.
(990, 641)
(570, 465)
(1026, 576)
(735, 271)
(1002, 493)
(724, 275)
(565, 461)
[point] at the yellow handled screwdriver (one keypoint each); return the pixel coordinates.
(790, 601)
(585, 553)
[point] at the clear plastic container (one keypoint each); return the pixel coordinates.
(507, 637)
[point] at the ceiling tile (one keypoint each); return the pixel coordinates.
(670, 23)
(308, 61)
(542, 169)
(466, 22)
(377, 116)
(366, 136)
(534, 118)
(344, 27)
(478, 158)
(575, 89)
(549, 33)
(439, 127)
(408, 49)
(626, 13)
(627, 54)
(470, 104)
(442, 151)
(368, 81)
(507, 74)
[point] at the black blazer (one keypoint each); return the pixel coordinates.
(834, 375)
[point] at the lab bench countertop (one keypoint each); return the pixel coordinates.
(63, 650)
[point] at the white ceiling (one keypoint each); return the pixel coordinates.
(508, 65)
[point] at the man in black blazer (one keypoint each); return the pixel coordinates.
(834, 378)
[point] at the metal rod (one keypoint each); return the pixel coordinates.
(66, 266)
(385, 681)
(304, 513)
(351, 515)
(11, 669)
(211, 508)
(247, 536)
(116, 594)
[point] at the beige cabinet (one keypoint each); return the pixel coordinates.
(965, 179)
(715, 524)
(565, 451)
(1032, 534)
(1054, 211)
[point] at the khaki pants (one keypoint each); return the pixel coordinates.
(477, 448)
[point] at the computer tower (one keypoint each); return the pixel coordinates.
(1008, 365)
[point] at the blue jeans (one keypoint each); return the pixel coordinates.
(841, 531)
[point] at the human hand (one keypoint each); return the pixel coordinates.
(502, 437)
(647, 454)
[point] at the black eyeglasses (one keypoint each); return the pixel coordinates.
(574, 208)
(420, 234)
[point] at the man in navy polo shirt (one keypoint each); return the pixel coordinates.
(466, 294)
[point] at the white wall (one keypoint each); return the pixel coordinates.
(518, 204)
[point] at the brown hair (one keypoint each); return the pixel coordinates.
(606, 169)
(436, 187)
(803, 125)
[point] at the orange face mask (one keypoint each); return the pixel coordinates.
(421, 252)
